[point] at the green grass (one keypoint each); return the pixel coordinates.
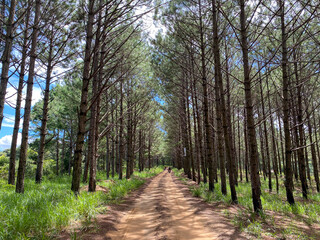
(304, 211)
(44, 210)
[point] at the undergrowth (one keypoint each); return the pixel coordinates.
(307, 211)
(44, 210)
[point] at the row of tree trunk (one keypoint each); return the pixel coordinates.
(223, 139)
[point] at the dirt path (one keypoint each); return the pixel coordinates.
(161, 211)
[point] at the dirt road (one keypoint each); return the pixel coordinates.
(163, 212)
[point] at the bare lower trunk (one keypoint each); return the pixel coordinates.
(314, 155)
(223, 110)
(13, 149)
(265, 130)
(84, 102)
(129, 136)
(239, 145)
(70, 164)
(208, 130)
(63, 150)
(274, 146)
(190, 137)
(196, 140)
(45, 109)
(199, 129)
(285, 83)
(149, 150)
(113, 147)
(184, 126)
(315, 147)
(300, 141)
(57, 154)
(254, 173)
(27, 110)
(121, 143)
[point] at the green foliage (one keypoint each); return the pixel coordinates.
(44, 210)
(4, 165)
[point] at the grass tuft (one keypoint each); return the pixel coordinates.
(44, 210)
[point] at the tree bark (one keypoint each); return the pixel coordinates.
(27, 110)
(57, 154)
(84, 102)
(208, 130)
(222, 109)
(285, 84)
(266, 135)
(6, 56)
(13, 149)
(129, 133)
(274, 146)
(63, 150)
(254, 170)
(313, 154)
(121, 140)
(45, 109)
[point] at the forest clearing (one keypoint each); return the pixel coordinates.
(98, 98)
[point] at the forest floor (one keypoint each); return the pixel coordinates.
(299, 222)
(162, 209)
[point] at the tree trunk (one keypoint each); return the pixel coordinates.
(63, 150)
(70, 148)
(285, 83)
(281, 142)
(57, 154)
(228, 114)
(223, 110)
(121, 140)
(189, 134)
(313, 154)
(262, 147)
(112, 146)
(266, 136)
(27, 110)
(6, 56)
(199, 127)
(246, 149)
(239, 145)
(300, 136)
(184, 126)
(140, 151)
(274, 147)
(254, 173)
(129, 134)
(45, 109)
(149, 150)
(84, 102)
(208, 131)
(196, 139)
(13, 149)
(108, 157)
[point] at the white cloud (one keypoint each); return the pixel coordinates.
(8, 121)
(6, 124)
(5, 141)
(11, 96)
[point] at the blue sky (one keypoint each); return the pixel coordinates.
(9, 111)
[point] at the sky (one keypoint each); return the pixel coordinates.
(9, 112)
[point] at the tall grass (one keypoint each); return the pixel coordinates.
(306, 211)
(44, 210)
(270, 201)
